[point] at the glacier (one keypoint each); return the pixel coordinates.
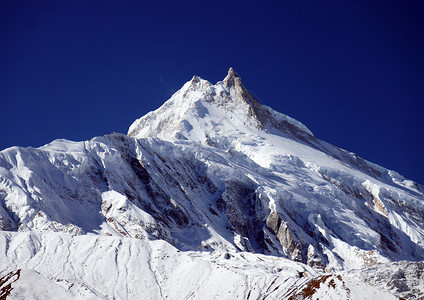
(211, 196)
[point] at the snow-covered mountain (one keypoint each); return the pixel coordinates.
(211, 196)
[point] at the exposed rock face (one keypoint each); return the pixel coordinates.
(286, 237)
(244, 212)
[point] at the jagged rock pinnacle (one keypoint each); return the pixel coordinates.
(195, 79)
(232, 73)
(197, 83)
(232, 78)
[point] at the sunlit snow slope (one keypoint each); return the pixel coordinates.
(211, 196)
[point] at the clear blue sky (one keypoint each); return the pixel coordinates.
(352, 71)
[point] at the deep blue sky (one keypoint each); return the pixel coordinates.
(352, 71)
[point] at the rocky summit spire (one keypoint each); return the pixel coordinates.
(232, 78)
(195, 79)
(231, 72)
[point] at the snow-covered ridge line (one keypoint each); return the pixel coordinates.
(285, 118)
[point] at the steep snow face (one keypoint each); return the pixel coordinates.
(212, 173)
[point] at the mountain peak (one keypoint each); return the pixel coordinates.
(195, 79)
(232, 73)
(201, 112)
(232, 79)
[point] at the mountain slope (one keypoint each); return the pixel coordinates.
(225, 116)
(210, 174)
